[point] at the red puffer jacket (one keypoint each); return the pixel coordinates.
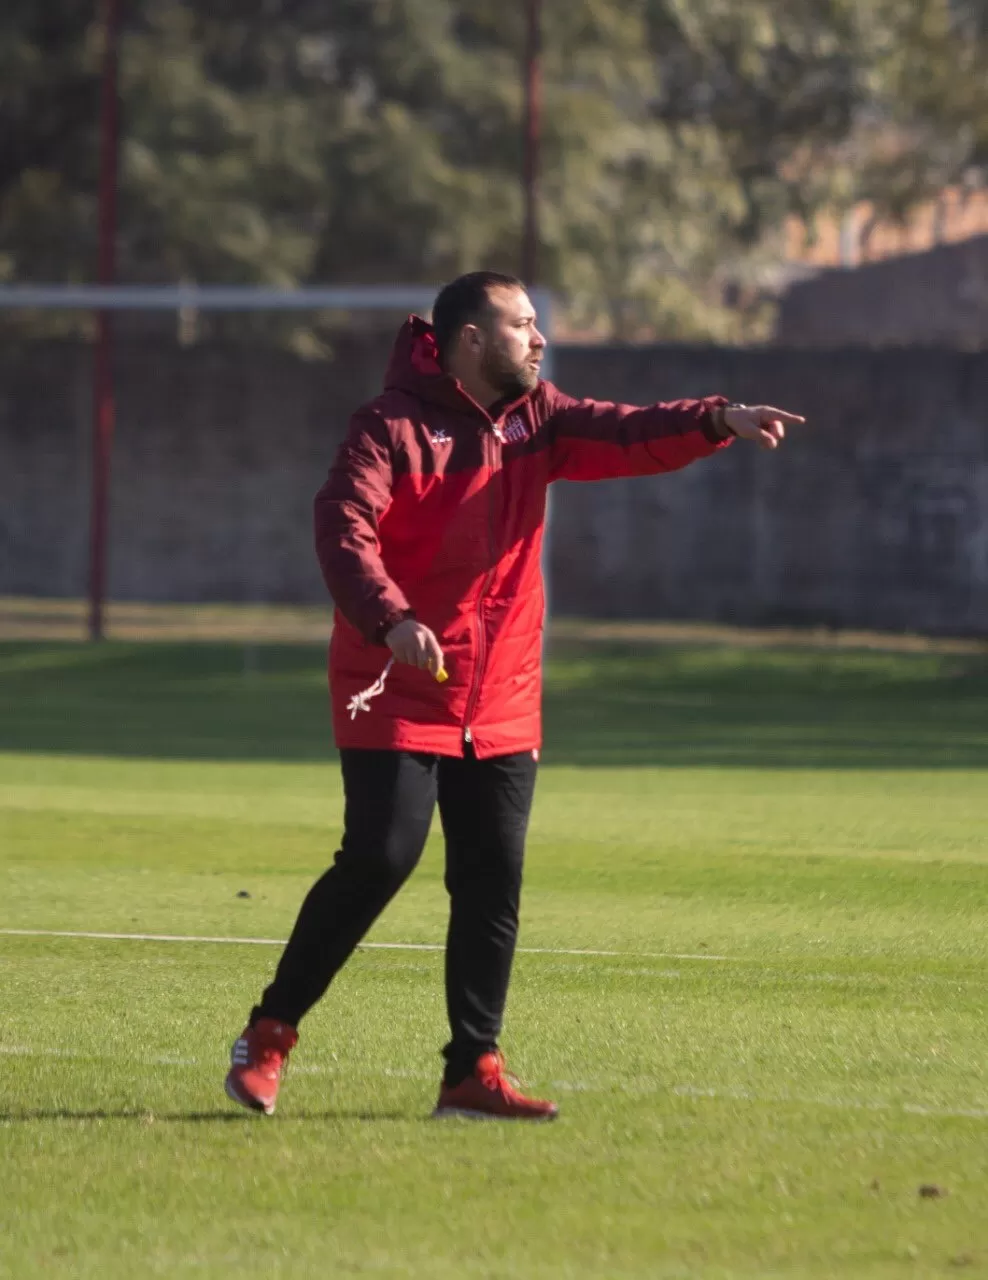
(435, 507)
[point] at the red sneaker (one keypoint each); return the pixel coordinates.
(491, 1094)
(257, 1062)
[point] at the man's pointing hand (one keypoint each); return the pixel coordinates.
(760, 422)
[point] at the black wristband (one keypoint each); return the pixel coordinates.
(381, 634)
(724, 408)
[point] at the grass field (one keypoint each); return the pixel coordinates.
(783, 848)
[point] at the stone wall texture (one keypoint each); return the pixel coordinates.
(936, 298)
(874, 515)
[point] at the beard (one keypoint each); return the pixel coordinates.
(513, 380)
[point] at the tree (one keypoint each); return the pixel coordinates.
(932, 122)
(47, 138)
(286, 141)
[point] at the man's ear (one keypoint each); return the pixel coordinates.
(473, 337)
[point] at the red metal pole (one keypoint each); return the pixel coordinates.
(104, 408)
(532, 139)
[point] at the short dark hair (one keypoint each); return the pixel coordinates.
(465, 300)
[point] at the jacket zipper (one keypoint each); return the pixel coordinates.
(479, 616)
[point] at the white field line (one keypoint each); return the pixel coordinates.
(860, 979)
(634, 1087)
(376, 946)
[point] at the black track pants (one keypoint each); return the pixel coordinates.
(390, 797)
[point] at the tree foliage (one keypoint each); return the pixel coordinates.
(287, 141)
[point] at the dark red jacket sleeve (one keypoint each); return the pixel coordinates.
(348, 508)
(598, 440)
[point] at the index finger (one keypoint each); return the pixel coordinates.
(780, 415)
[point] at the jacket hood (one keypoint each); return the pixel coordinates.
(414, 368)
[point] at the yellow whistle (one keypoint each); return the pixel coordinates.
(442, 676)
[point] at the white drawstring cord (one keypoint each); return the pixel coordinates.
(361, 701)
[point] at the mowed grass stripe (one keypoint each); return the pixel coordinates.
(790, 975)
(819, 1025)
(637, 1088)
(607, 705)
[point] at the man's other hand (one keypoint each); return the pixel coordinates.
(415, 644)
(760, 422)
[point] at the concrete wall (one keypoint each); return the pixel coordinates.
(875, 516)
(935, 298)
(217, 455)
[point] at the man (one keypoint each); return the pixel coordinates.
(429, 531)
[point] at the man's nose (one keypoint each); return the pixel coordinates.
(538, 340)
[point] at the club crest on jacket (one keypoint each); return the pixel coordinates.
(515, 429)
(439, 436)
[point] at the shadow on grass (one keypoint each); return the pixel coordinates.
(605, 705)
(149, 1118)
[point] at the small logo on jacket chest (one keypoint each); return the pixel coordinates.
(440, 436)
(514, 429)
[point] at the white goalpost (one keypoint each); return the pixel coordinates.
(180, 297)
(103, 300)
